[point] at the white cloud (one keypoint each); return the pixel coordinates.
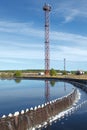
(24, 29)
(19, 28)
(71, 46)
(72, 14)
(70, 10)
(21, 53)
(70, 53)
(11, 61)
(69, 39)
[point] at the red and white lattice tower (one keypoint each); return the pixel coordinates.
(47, 9)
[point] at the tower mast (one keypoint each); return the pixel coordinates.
(47, 9)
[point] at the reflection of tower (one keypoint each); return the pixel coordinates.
(47, 90)
(47, 9)
(64, 86)
(47, 96)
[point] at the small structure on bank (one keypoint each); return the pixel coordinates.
(79, 72)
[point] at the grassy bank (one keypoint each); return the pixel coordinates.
(13, 74)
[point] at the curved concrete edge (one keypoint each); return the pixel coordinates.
(17, 113)
(64, 113)
(39, 116)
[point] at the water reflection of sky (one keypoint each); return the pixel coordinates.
(16, 96)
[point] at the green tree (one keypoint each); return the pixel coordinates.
(17, 80)
(64, 72)
(53, 72)
(52, 82)
(18, 73)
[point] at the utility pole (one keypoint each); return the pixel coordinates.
(64, 64)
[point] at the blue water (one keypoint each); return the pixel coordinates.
(16, 95)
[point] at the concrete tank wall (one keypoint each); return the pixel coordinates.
(34, 117)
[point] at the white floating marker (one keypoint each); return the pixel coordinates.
(10, 115)
(31, 108)
(22, 112)
(55, 100)
(45, 104)
(42, 105)
(50, 102)
(27, 110)
(16, 113)
(39, 126)
(35, 108)
(3, 116)
(39, 106)
(62, 115)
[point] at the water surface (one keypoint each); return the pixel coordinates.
(16, 95)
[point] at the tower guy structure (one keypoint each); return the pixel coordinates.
(47, 10)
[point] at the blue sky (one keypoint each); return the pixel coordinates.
(22, 34)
